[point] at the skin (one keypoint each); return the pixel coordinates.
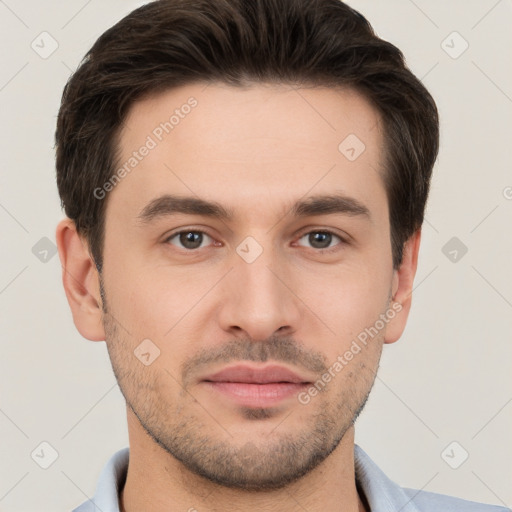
(256, 151)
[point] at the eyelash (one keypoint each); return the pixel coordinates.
(321, 251)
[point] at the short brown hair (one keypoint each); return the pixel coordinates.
(169, 43)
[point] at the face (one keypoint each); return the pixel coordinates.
(247, 258)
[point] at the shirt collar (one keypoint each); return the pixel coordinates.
(382, 494)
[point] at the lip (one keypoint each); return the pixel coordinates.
(253, 375)
(250, 386)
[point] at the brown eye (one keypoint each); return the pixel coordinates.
(189, 239)
(321, 239)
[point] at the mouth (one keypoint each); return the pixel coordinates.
(250, 386)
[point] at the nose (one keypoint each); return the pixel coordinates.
(258, 298)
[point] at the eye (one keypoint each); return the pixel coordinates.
(322, 240)
(189, 239)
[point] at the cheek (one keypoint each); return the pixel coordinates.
(150, 301)
(345, 304)
(349, 293)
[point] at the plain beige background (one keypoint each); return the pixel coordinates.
(449, 377)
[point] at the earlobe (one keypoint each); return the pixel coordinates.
(403, 280)
(81, 281)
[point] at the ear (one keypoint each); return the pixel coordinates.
(403, 279)
(81, 281)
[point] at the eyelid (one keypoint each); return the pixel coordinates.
(320, 229)
(344, 239)
(168, 237)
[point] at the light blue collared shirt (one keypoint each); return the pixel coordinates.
(382, 494)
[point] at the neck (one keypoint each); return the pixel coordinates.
(158, 482)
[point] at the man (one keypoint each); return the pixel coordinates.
(244, 183)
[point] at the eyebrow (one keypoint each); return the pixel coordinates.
(168, 205)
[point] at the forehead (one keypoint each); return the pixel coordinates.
(249, 146)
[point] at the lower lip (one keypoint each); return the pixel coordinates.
(257, 395)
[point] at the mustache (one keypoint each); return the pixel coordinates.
(276, 348)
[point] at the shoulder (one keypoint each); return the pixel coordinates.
(382, 493)
(433, 502)
(88, 506)
(111, 480)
